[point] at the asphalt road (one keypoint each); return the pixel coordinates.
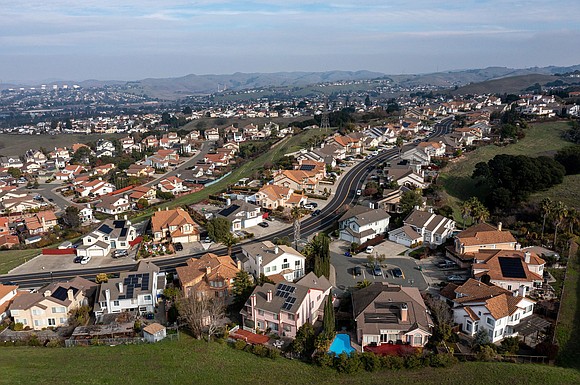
(345, 193)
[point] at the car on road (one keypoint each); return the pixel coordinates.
(85, 259)
(77, 259)
(342, 165)
(316, 213)
(375, 153)
(397, 272)
(357, 270)
(377, 270)
(263, 224)
(369, 249)
(50, 200)
(120, 254)
(358, 192)
(178, 246)
(455, 278)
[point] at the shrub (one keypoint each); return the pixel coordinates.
(240, 344)
(442, 360)
(260, 350)
(273, 353)
(33, 340)
(486, 353)
(413, 361)
(323, 359)
(370, 361)
(340, 362)
(353, 363)
(392, 362)
(510, 345)
(17, 326)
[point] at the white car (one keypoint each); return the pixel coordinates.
(369, 249)
(85, 259)
(358, 192)
(309, 206)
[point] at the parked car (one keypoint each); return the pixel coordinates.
(308, 206)
(377, 270)
(77, 259)
(455, 278)
(397, 273)
(446, 264)
(369, 249)
(85, 259)
(357, 270)
(178, 246)
(315, 213)
(120, 254)
(342, 165)
(263, 224)
(314, 204)
(347, 254)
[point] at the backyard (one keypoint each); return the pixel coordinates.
(189, 361)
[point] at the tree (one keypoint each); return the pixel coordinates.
(368, 102)
(243, 286)
(569, 158)
(296, 213)
(101, 277)
(399, 143)
(230, 241)
(303, 343)
(219, 229)
(322, 255)
(362, 284)
(560, 212)
(71, 216)
(165, 195)
(14, 172)
(328, 321)
(546, 207)
(201, 312)
(187, 110)
(409, 200)
(142, 203)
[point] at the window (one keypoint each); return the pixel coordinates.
(287, 328)
(103, 304)
(36, 311)
(509, 287)
(285, 266)
(529, 308)
(490, 321)
(275, 316)
(260, 312)
(15, 312)
(122, 243)
(23, 321)
(115, 303)
(273, 268)
(63, 320)
(297, 263)
(291, 317)
(59, 309)
(418, 340)
(468, 326)
(37, 323)
(147, 297)
(51, 322)
(267, 270)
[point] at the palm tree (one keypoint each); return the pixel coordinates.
(573, 218)
(362, 284)
(399, 143)
(465, 211)
(479, 211)
(296, 214)
(560, 212)
(230, 241)
(546, 207)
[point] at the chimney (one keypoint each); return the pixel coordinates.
(208, 269)
(404, 311)
(527, 257)
(116, 217)
(125, 217)
(47, 293)
(253, 300)
(120, 287)
(276, 249)
(499, 226)
(269, 296)
(522, 290)
(70, 295)
(239, 264)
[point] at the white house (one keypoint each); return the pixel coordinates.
(111, 234)
(269, 259)
(431, 228)
(113, 204)
(242, 214)
(360, 223)
(7, 293)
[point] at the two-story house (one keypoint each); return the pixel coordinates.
(41, 222)
(271, 197)
(113, 204)
(50, 306)
(477, 305)
(212, 134)
(360, 223)
(425, 227)
(209, 274)
(284, 307)
(135, 290)
(111, 234)
(174, 225)
(241, 214)
(266, 258)
(389, 314)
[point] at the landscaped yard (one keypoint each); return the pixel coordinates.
(541, 139)
(196, 362)
(9, 259)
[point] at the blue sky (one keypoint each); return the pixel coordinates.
(134, 39)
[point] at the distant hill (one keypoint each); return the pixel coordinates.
(509, 84)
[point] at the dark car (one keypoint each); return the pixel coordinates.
(347, 254)
(178, 246)
(77, 259)
(263, 224)
(315, 213)
(377, 270)
(397, 273)
(357, 270)
(50, 200)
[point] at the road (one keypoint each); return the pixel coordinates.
(344, 194)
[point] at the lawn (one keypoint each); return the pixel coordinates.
(566, 192)
(541, 139)
(9, 259)
(196, 362)
(568, 327)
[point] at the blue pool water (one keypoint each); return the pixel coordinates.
(341, 344)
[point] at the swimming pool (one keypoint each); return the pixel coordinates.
(341, 344)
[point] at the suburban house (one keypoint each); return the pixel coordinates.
(208, 274)
(296, 180)
(509, 269)
(212, 134)
(431, 229)
(135, 291)
(41, 222)
(50, 306)
(477, 305)
(69, 172)
(387, 314)
(478, 237)
(85, 214)
(404, 176)
(113, 204)
(105, 148)
(269, 259)
(174, 225)
(360, 223)
(103, 169)
(432, 148)
(7, 294)
(241, 214)
(172, 184)
(271, 197)
(95, 188)
(111, 234)
(284, 307)
(140, 170)
(143, 192)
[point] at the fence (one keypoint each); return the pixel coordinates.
(522, 359)
(114, 341)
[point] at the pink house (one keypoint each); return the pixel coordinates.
(282, 308)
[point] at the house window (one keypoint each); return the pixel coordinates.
(51, 322)
(63, 320)
(147, 297)
(418, 339)
(273, 268)
(529, 308)
(267, 270)
(287, 328)
(291, 317)
(115, 303)
(122, 243)
(275, 316)
(285, 266)
(36, 312)
(297, 263)
(59, 309)
(490, 321)
(260, 312)
(468, 326)
(37, 323)
(509, 287)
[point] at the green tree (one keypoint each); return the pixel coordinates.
(296, 214)
(14, 172)
(303, 344)
(219, 229)
(546, 207)
(243, 286)
(322, 255)
(328, 321)
(559, 213)
(230, 241)
(409, 200)
(71, 216)
(362, 284)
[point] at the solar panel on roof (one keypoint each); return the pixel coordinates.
(105, 229)
(124, 231)
(228, 210)
(512, 267)
(307, 167)
(118, 224)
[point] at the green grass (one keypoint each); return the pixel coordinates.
(541, 139)
(9, 259)
(566, 192)
(196, 362)
(568, 327)
(19, 144)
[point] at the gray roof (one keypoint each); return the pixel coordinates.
(364, 215)
(419, 218)
(268, 251)
(235, 208)
(143, 277)
(58, 293)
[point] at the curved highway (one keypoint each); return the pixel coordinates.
(345, 194)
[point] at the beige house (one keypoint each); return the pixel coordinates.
(51, 305)
(208, 274)
(272, 196)
(174, 225)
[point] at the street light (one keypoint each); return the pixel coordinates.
(51, 277)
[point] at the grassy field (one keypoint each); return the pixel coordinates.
(9, 259)
(12, 145)
(541, 139)
(566, 192)
(568, 327)
(197, 362)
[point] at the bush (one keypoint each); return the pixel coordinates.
(413, 361)
(33, 340)
(370, 361)
(323, 359)
(486, 353)
(510, 345)
(240, 344)
(442, 360)
(17, 326)
(344, 363)
(392, 362)
(273, 353)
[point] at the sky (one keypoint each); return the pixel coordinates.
(134, 39)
